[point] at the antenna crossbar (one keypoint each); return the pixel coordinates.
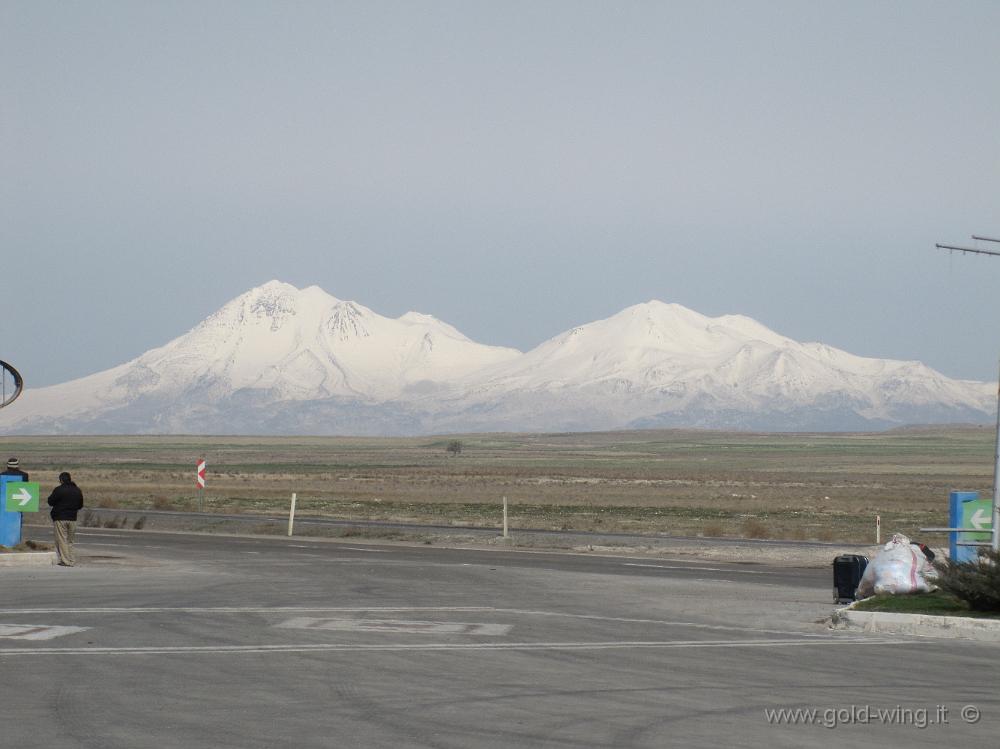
(966, 249)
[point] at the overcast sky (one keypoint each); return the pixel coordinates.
(513, 168)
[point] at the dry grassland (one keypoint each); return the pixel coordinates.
(826, 487)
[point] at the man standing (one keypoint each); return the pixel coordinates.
(14, 469)
(65, 501)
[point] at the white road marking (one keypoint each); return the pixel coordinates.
(396, 609)
(699, 569)
(237, 609)
(396, 625)
(104, 543)
(525, 646)
(303, 559)
(36, 631)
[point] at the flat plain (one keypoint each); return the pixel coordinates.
(825, 487)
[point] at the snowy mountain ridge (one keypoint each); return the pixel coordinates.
(278, 359)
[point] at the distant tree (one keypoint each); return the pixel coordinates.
(454, 447)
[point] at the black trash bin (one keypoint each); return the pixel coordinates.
(847, 572)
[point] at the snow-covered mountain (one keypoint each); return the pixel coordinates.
(658, 365)
(275, 344)
(282, 360)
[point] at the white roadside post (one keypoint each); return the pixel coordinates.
(291, 515)
(200, 482)
(505, 517)
(878, 530)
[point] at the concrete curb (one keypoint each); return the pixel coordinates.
(28, 559)
(921, 625)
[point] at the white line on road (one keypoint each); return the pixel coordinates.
(383, 609)
(699, 569)
(36, 631)
(397, 626)
(526, 646)
(300, 560)
(236, 609)
(397, 609)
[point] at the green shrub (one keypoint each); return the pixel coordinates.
(976, 582)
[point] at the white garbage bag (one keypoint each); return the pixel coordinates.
(900, 567)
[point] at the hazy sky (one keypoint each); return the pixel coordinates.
(513, 168)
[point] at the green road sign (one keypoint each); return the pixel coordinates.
(20, 496)
(977, 514)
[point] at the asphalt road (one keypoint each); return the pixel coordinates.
(171, 640)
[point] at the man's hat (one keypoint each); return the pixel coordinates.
(13, 463)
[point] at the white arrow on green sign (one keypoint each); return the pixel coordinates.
(977, 515)
(980, 519)
(20, 496)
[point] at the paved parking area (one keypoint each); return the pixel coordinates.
(173, 640)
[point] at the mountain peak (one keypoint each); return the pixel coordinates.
(270, 288)
(664, 313)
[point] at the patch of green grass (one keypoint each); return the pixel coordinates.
(934, 603)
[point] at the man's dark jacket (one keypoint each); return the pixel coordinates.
(65, 500)
(15, 472)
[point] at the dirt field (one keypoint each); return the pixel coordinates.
(826, 487)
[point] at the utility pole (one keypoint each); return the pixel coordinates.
(995, 531)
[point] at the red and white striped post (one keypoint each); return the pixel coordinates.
(201, 483)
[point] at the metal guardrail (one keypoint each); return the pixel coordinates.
(961, 530)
